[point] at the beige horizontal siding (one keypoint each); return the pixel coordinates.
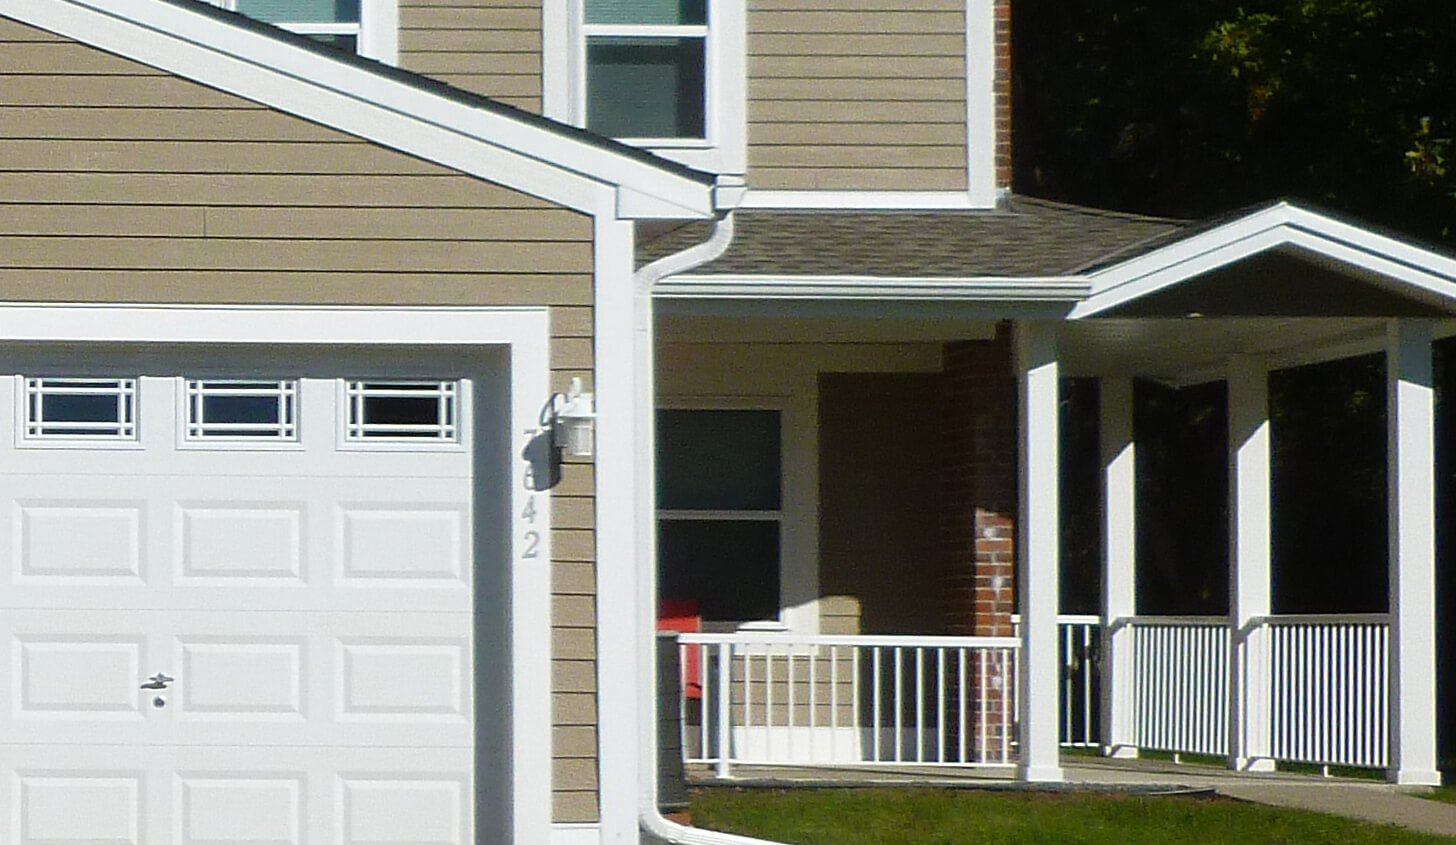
(490, 47)
(856, 94)
(119, 183)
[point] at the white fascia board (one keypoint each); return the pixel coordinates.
(492, 146)
(868, 200)
(1428, 273)
(1395, 250)
(824, 288)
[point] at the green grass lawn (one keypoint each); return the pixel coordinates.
(965, 817)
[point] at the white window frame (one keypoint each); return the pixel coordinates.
(30, 433)
(194, 435)
(376, 34)
(723, 149)
(798, 505)
(455, 432)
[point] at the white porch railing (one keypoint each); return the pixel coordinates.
(1079, 646)
(1180, 683)
(788, 699)
(1330, 701)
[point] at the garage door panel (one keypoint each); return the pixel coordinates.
(235, 796)
(310, 602)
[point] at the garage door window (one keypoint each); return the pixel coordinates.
(414, 411)
(242, 410)
(71, 408)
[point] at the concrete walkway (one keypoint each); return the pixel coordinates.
(1372, 801)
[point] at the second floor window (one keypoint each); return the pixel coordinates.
(646, 68)
(366, 27)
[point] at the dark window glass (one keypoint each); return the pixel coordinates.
(645, 87)
(648, 12)
(730, 568)
(88, 408)
(262, 410)
(718, 460)
(301, 11)
(347, 43)
(402, 410)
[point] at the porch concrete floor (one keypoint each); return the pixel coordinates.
(1368, 800)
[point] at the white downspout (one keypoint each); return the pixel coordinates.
(651, 820)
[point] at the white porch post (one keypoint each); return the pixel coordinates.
(1411, 459)
(1119, 557)
(1249, 565)
(1036, 361)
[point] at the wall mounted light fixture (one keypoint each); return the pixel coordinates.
(573, 420)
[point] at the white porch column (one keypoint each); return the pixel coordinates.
(1037, 541)
(1119, 559)
(1249, 564)
(1411, 460)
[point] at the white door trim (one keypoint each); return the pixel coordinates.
(526, 333)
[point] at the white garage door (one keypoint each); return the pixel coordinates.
(236, 611)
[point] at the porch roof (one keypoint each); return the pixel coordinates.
(1027, 238)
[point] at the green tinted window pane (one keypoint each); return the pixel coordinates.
(718, 460)
(347, 43)
(301, 11)
(645, 87)
(731, 569)
(648, 12)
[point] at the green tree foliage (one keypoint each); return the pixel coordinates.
(1201, 106)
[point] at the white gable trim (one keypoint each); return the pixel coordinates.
(519, 155)
(974, 289)
(1419, 273)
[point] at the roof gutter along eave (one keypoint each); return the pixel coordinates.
(1049, 289)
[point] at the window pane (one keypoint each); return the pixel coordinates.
(718, 460)
(347, 43)
(81, 408)
(645, 87)
(301, 11)
(653, 12)
(730, 568)
(402, 409)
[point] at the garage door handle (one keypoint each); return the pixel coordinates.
(158, 681)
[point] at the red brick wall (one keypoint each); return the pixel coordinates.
(978, 485)
(1003, 94)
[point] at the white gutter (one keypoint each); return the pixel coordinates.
(649, 817)
(900, 288)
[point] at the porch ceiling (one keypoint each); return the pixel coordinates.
(1189, 350)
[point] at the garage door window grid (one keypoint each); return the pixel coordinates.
(241, 410)
(413, 411)
(70, 408)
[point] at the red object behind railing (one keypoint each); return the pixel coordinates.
(681, 616)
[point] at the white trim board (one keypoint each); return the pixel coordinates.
(973, 289)
(374, 106)
(527, 334)
(1415, 272)
(875, 200)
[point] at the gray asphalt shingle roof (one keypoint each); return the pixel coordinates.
(1028, 237)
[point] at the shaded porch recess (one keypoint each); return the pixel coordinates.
(1243, 522)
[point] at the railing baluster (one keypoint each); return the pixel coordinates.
(875, 723)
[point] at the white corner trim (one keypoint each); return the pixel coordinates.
(974, 289)
(1425, 274)
(495, 146)
(526, 330)
(868, 200)
(576, 834)
(379, 30)
(559, 30)
(981, 103)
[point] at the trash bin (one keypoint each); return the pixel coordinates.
(672, 781)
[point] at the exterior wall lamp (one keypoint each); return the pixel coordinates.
(573, 420)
